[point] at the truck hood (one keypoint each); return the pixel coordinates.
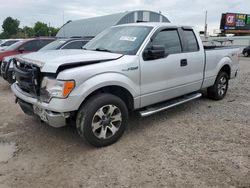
(50, 61)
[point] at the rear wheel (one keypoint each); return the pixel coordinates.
(102, 120)
(246, 54)
(219, 89)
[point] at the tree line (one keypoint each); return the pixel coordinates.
(11, 29)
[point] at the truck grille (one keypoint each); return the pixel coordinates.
(28, 77)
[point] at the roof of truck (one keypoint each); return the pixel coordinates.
(153, 24)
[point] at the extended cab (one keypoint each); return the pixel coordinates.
(147, 67)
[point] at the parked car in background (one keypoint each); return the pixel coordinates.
(8, 43)
(60, 44)
(66, 43)
(25, 46)
(246, 51)
(148, 67)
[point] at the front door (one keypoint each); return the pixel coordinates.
(176, 74)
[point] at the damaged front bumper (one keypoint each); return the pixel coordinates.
(32, 106)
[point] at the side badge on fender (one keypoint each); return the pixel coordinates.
(130, 69)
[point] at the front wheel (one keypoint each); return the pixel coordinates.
(246, 54)
(102, 120)
(219, 89)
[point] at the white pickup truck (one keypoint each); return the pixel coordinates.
(144, 67)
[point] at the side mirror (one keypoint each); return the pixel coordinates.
(154, 52)
(21, 49)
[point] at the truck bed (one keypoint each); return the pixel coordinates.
(216, 55)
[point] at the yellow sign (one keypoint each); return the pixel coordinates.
(242, 16)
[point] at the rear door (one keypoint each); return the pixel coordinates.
(195, 56)
(179, 73)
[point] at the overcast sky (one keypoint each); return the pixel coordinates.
(189, 12)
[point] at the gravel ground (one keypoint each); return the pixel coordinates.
(199, 144)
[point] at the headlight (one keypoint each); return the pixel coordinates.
(52, 88)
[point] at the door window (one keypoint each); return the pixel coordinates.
(30, 46)
(170, 40)
(192, 44)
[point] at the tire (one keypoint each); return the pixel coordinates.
(246, 54)
(102, 120)
(219, 90)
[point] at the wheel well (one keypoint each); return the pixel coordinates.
(226, 69)
(118, 91)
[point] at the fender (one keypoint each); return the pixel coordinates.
(210, 75)
(224, 61)
(107, 79)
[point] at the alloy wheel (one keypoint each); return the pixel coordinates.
(222, 86)
(106, 121)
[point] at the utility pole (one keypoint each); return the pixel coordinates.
(205, 30)
(63, 25)
(49, 30)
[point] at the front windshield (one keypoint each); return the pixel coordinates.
(14, 46)
(53, 45)
(124, 39)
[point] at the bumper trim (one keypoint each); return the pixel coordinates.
(54, 119)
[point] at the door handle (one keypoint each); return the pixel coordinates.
(184, 62)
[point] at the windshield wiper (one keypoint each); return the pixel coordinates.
(102, 50)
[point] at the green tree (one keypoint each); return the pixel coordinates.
(3, 35)
(53, 31)
(11, 30)
(10, 27)
(28, 31)
(25, 32)
(41, 29)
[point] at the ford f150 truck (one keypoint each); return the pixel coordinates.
(144, 67)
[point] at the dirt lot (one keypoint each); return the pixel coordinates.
(199, 144)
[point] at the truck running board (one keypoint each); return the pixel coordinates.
(169, 104)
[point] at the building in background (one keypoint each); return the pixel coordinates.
(90, 27)
(235, 23)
